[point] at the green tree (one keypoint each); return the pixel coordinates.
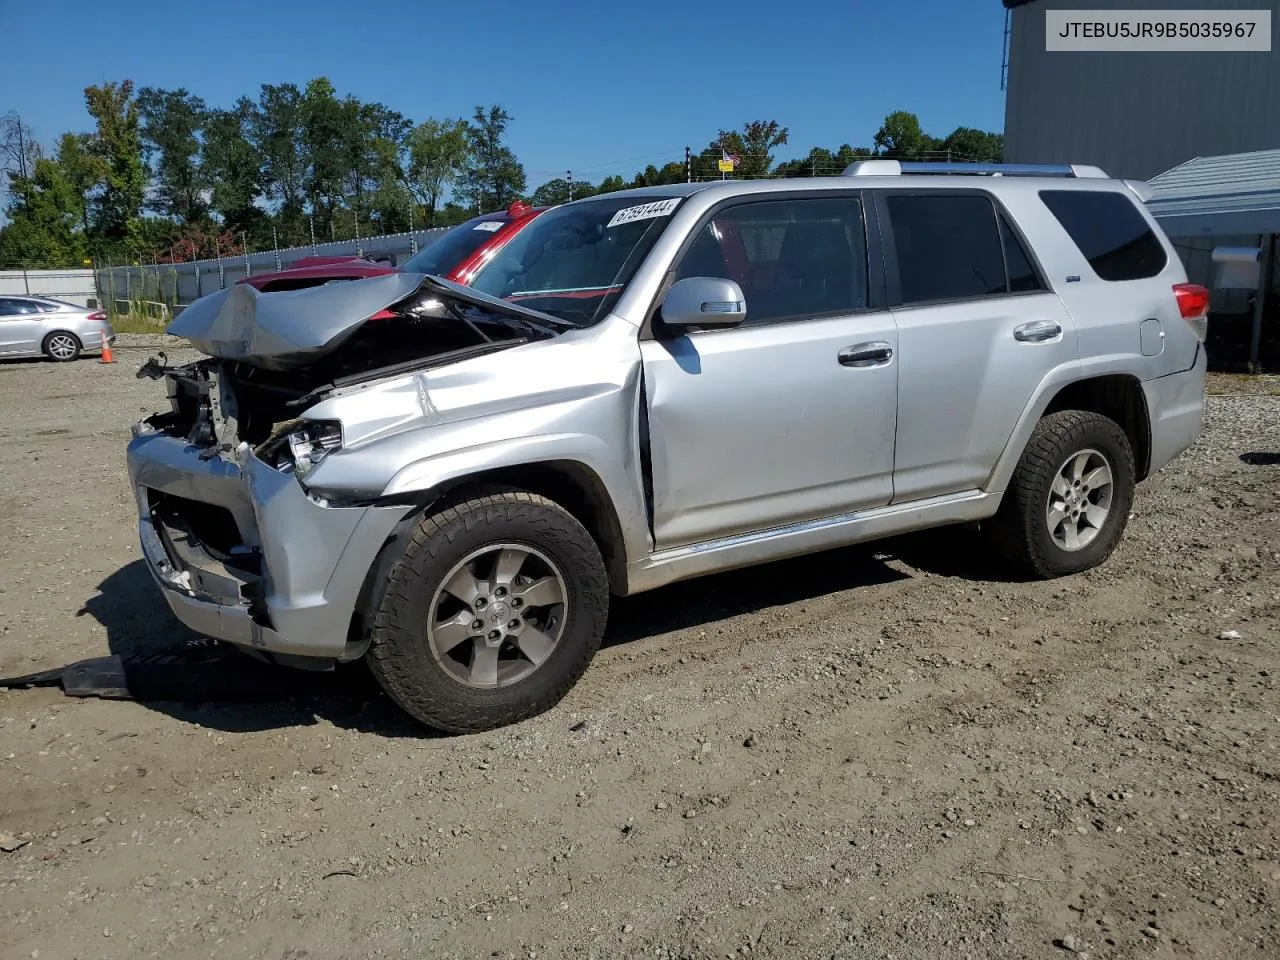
(755, 146)
(651, 176)
(818, 162)
(900, 136)
(375, 140)
(325, 124)
(848, 154)
(43, 223)
(83, 171)
(171, 124)
(275, 132)
(452, 214)
(117, 142)
(234, 166)
(968, 143)
(560, 190)
(493, 177)
(610, 184)
(438, 155)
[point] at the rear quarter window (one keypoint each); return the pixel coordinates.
(1110, 231)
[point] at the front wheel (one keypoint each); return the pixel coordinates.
(1068, 502)
(492, 614)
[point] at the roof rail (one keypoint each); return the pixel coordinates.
(894, 168)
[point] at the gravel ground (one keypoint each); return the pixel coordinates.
(882, 752)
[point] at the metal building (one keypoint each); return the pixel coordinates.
(1136, 115)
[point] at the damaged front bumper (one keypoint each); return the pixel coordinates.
(244, 554)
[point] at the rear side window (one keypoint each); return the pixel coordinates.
(1022, 275)
(1109, 231)
(949, 246)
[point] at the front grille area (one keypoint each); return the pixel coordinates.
(204, 525)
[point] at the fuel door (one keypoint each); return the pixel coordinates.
(1151, 337)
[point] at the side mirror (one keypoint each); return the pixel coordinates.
(704, 302)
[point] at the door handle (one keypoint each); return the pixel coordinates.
(874, 354)
(1037, 331)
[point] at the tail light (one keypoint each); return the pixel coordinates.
(1193, 304)
(384, 315)
(98, 315)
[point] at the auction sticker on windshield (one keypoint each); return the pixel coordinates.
(645, 211)
(489, 226)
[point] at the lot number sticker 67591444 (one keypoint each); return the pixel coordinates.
(645, 211)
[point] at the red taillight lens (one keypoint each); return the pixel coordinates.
(1193, 304)
(1193, 300)
(383, 315)
(97, 315)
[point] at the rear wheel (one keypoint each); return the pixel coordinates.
(1069, 499)
(61, 346)
(492, 614)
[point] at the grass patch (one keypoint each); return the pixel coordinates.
(137, 323)
(1242, 384)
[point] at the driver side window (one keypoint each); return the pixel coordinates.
(793, 258)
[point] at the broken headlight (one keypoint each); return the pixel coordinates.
(310, 441)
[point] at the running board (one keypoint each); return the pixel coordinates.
(810, 536)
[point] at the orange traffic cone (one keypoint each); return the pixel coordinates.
(106, 350)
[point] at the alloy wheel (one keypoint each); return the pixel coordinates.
(1079, 500)
(498, 615)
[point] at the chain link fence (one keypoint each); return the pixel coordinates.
(158, 292)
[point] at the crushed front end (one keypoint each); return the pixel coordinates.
(243, 550)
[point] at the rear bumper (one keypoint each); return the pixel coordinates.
(307, 561)
(94, 341)
(1175, 410)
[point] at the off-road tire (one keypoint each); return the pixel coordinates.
(1019, 533)
(47, 350)
(399, 654)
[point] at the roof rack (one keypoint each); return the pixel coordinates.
(894, 168)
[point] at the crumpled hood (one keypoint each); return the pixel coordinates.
(288, 328)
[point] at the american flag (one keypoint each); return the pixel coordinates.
(731, 158)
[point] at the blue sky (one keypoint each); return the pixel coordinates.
(599, 88)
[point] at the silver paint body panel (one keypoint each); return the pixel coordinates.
(757, 443)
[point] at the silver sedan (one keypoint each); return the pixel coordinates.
(33, 326)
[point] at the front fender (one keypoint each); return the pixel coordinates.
(622, 486)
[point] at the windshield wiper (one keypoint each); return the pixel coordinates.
(535, 319)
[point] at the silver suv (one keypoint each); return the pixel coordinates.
(656, 384)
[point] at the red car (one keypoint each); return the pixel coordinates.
(457, 255)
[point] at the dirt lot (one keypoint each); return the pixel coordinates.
(880, 752)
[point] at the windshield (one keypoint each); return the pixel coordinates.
(574, 261)
(441, 256)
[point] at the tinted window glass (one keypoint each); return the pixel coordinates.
(1109, 231)
(450, 249)
(792, 258)
(1022, 276)
(574, 261)
(16, 306)
(948, 247)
